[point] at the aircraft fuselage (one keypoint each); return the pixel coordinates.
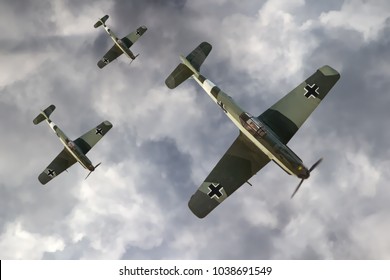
(121, 45)
(256, 131)
(72, 148)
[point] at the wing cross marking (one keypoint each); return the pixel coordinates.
(99, 130)
(51, 173)
(311, 91)
(215, 190)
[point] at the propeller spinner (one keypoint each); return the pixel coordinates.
(310, 170)
(92, 170)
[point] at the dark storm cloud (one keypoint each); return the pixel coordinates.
(172, 163)
(315, 9)
(33, 17)
(166, 173)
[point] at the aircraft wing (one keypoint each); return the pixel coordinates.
(111, 55)
(63, 161)
(89, 139)
(240, 162)
(287, 115)
(130, 39)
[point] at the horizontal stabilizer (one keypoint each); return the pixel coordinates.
(193, 61)
(179, 75)
(197, 56)
(44, 115)
(101, 21)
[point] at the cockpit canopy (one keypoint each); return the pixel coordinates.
(71, 145)
(253, 125)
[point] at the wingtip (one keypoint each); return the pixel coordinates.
(108, 123)
(329, 71)
(101, 64)
(170, 82)
(42, 178)
(206, 47)
(199, 210)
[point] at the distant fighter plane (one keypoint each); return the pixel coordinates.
(121, 45)
(74, 150)
(261, 139)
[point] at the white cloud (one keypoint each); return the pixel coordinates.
(17, 243)
(365, 17)
(269, 46)
(370, 234)
(113, 212)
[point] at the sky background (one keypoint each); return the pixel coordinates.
(165, 142)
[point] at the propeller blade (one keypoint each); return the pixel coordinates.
(133, 59)
(310, 170)
(88, 175)
(91, 171)
(297, 188)
(315, 165)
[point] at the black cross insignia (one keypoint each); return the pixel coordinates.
(311, 91)
(138, 32)
(215, 190)
(99, 130)
(51, 172)
(105, 60)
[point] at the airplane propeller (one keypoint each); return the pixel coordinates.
(91, 171)
(133, 59)
(310, 170)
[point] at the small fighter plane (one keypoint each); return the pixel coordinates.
(261, 139)
(74, 151)
(121, 45)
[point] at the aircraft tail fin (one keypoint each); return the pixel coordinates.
(45, 114)
(101, 21)
(190, 66)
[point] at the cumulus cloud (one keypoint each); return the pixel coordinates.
(17, 243)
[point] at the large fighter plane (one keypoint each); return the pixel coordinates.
(261, 139)
(121, 45)
(74, 151)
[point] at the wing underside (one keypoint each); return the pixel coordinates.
(90, 138)
(130, 39)
(111, 55)
(240, 162)
(63, 161)
(287, 115)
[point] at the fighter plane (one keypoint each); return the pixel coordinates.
(121, 45)
(74, 151)
(261, 139)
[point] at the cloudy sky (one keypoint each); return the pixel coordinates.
(165, 142)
